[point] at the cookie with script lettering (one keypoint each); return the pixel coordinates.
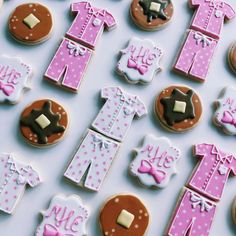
(225, 114)
(65, 216)
(43, 123)
(15, 78)
(151, 15)
(124, 215)
(140, 61)
(155, 162)
(178, 108)
(31, 23)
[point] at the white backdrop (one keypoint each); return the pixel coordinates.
(83, 107)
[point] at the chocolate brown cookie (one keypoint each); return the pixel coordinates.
(178, 108)
(43, 123)
(124, 215)
(31, 23)
(232, 57)
(151, 15)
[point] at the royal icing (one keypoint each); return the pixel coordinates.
(139, 62)
(155, 162)
(65, 216)
(14, 79)
(14, 177)
(225, 115)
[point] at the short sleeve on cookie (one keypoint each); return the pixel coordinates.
(108, 92)
(76, 7)
(141, 109)
(33, 177)
(202, 149)
(229, 12)
(109, 21)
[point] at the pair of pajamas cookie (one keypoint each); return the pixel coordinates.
(197, 205)
(70, 62)
(202, 39)
(101, 143)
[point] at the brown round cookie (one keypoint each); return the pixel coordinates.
(178, 108)
(124, 215)
(151, 15)
(43, 122)
(234, 210)
(31, 23)
(232, 57)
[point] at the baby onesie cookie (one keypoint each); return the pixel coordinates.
(66, 216)
(178, 108)
(31, 23)
(14, 79)
(151, 15)
(155, 162)
(43, 123)
(225, 115)
(124, 215)
(14, 177)
(139, 62)
(232, 57)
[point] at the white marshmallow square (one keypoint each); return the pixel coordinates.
(31, 21)
(155, 6)
(179, 107)
(43, 121)
(125, 219)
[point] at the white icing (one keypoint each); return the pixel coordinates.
(227, 103)
(159, 153)
(14, 78)
(139, 62)
(65, 216)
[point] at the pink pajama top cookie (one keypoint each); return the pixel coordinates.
(116, 116)
(89, 23)
(139, 62)
(210, 16)
(66, 216)
(14, 79)
(211, 175)
(14, 176)
(225, 115)
(155, 162)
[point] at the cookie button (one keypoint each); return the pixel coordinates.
(178, 108)
(31, 23)
(43, 123)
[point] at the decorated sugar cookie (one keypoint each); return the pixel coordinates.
(139, 62)
(15, 78)
(66, 216)
(178, 108)
(31, 23)
(225, 114)
(151, 14)
(124, 215)
(155, 162)
(14, 177)
(43, 123)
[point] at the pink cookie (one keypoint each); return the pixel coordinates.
(210, 16)
(195, 55)
(69, 65)
(116, 116)
(14, 178)
(89, 23)
(66, 216)
(225, 116)
(95, 154)
(155, 162)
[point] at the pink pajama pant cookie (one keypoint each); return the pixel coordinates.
(95, 154)
(69, 64)
(196, 54)
(193, 216)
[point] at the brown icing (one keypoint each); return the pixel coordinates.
(111, 211)
(232, 57)
(141, 19)
(187, 123)
(30, 136)
(22, 32)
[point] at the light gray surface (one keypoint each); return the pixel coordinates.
(84, 106)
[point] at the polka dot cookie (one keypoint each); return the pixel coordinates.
(178, 108)
(43, 123)
(124, 215)
(31, 23)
